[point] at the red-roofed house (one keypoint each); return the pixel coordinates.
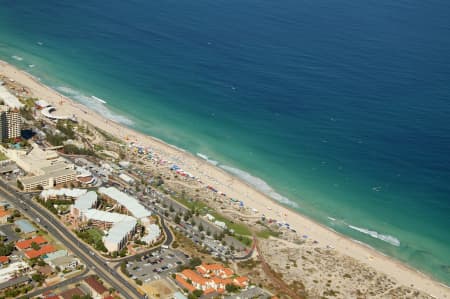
(184, 284)
(4, 216)
(25, 244)
(31, 254)
(97, 289)
(209, 278)
(214, 269)
(4, 259)
(241, 281)
(71, 292)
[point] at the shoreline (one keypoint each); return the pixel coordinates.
(235, 187)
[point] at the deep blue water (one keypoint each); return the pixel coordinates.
(340, 106)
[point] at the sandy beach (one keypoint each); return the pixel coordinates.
(233, 187)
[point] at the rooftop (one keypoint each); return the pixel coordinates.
(31, 254)
(95, 285)
(25, 226)
(99, 215)
(62, 260)
(25, 244)
(63, 192)
(119, 230)
(71, 292)
(129, 202)
(85, 201)
(9, 99)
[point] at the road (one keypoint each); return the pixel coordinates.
(63, 283)
(26, 205)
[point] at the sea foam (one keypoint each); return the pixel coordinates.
(386, 238)
(205, 157)
(18, 58)
(94, 104)
(259, 185)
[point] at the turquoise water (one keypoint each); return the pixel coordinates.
(341, 108)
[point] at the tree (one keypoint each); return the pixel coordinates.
(200, 227)
(35, 246)
(194, 262)
(38, 277)
(177, 219)
(231, 288)
(19, 185)
(197, 293)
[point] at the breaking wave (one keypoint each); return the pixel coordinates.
(18, 58)
(206, 158)
(259, 185)
(386, 238)
(94, 104)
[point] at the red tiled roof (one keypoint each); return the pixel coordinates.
(228, 272)
(4, 213)
(241, 281)
(208, 291)
(184, 283)
(4, 259)
(194, 276)
(27, 243)
(95, 285)
(70, 293)
(31, 254)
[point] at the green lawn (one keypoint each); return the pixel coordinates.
(239, 229)
(95, 234)
(267, 233)
(3, 157)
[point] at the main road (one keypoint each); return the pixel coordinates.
(26, 205)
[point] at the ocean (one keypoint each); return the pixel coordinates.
(338, 109)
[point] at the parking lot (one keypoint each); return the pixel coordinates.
(156, 265)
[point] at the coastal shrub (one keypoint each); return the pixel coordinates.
(75, 150)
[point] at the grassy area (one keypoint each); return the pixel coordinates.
(239, 229)
(192, 205)
(3, 157)
(267, 233)
(95, 234)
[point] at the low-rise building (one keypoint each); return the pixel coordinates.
(209, 278)
(64, 263)
(50, 256)
(127, 202)
(4, 260)
(25, 226)
(62, 194)
(83, 203)
(119, 235)
(153, 233)
(25, 244)
(4, 215)
(46, 169)
(14, 270)
(97, 290)
(33, 253)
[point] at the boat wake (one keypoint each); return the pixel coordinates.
(386, 238)
(98, 104)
